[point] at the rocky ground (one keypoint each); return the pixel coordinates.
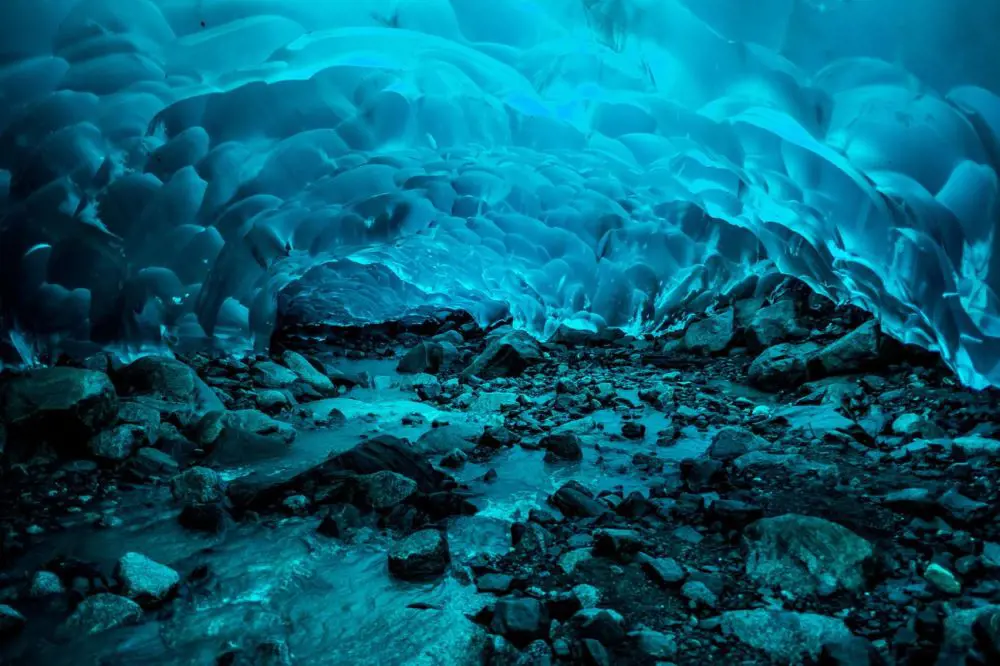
(777, 483)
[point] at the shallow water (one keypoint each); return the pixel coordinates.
(332, 603)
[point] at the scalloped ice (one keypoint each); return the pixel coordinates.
(174, 169)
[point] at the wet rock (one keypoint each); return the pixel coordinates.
(149, 462)
(600, 624)
(508, 356)
(159, 376)
(520, 620)
(772, 324)
(244, 435)
(782, 366)
(664, 571)
(617, 544)
(11, 622)
(211, 518)
(141, 414)
(730, 443)
(117, 443)
(854, 352)
(735, 513)
(783, 635)
(853, 651)
(562, 446)
(339, 521)
(63, 406)
(914, 425)
(986, 632)
(654, 645)
(420, 556)
(306, 372)
(428, 356)
(272, 401)
(269, 374)
(447, 438)
(633, 430)
(710, 335)
(144, 581)
(45, 584)
(494, 583)
(576, 501)
(699, 594)
(99, 613)
(942, 579)
(197, 485)
(805, 555)
(385, 489)
(454, 459)
(497, 437)
(962, 510)
(594, 653)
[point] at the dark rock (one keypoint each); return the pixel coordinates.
(447, 438)
(730, 443)
(783, 366)
(271, 375)
(149, 463)
(385, 489)
(144, 581)
(633, 430)
(617, 544)
(576, 501)
(211, 518)
(962, 510)
(599, 624)
(495, 583)
(855, 352)
(772, 325)
(454, 460)
(339, 521)
(917, 501)
(520, 620)
(710, 335)
(420, 556)
(635, 506)
(665, 571)
(734, 513)
(427, 356)
(986, 632)
(197, 485)
(244, 435)
(594, 653)
(785, 636)
(100, 613)
(117, 443)
(508, 356)
(159, 376)
(11, 622)
(497, 437)
(562, 446)
(852, 651)
(308, 373)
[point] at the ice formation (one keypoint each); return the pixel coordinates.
(188, 167)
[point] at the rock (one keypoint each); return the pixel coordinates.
(853, 353)
(390, 454)
(730, 443)
(272, 652)
(772, 325)
(244, 435)
(385, 489)
(428, 356)
(942, 579)
(63, 406)
(654, 645)
(420, 556)
(117, 443)
(100, 613)
(594, 653)
(562, 446)
(600, 624)
(45, 584)
(576, 501)
(199, 485)
(306, 372)
(507, 356)
(269, 374)
(211, 518)
(633, 430)
(520, 620)
(150, 462)
(785, 636)
(11, 622)
(272, 401)
(853, 651)
(494, 582)
(159, 376)
(339, 521)
(918, 501)
(914, 425)
(454, 459)
(141, 414)
(805, 555)
(710, 335)
(665, 571)
(144, 581)
(783, 366)
(445, 439)
(962, 510)
(986, 632)
(699, 594)
(617, 544)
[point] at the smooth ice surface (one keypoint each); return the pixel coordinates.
(186, 168)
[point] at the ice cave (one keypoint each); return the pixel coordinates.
(499, 332)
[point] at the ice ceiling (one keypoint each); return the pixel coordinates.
(191, 167)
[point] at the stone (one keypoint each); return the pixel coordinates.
(654, 645)
(307, 373)
(617, 544)
(141, 414)
(962, 510)
(269, 374)
(520, 620)
(494, 582)
(942, 579)
(699, 594)
(427, 356)
(914, 425)
(272, 401)
(562, 446)
(211, 518)
(385, 489)
(144, 581)
(244, 435)
(339, 521)
(730, 443)
(783, 366)
(159, 376)
(854, 352)
(576, 501)
(11, 622)
(199, 485)
(447, 438)
(600, 624)
(712, 334)
(99, 613)
(785, 636)
(805, 555)
(150, 462)
(45, 584)
(63, 406)
(507, 356)
(117, 443)
(853, 651)
(664, 571)
(772, 324)
(420, 556)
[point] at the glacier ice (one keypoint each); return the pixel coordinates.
(190, 168)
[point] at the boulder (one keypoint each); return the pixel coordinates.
(244, 435)
(149, 462)
(63, 406)
(562, 446)
(420, 556)
(117, 443)
(269, 374)
(805, 555)
(385, 489)
(144, 581)
(428, 356)
(447, 438)
(710, 335)
(785, 636)
(576, 501)
(520, 620)
(772, 325)
(855, 352)
(99, 613)
(783, 366)
(306, 372)
(507, 356)
(731, 442)
(197, 485)
(158, 376)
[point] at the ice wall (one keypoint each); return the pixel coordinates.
(181, 168)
